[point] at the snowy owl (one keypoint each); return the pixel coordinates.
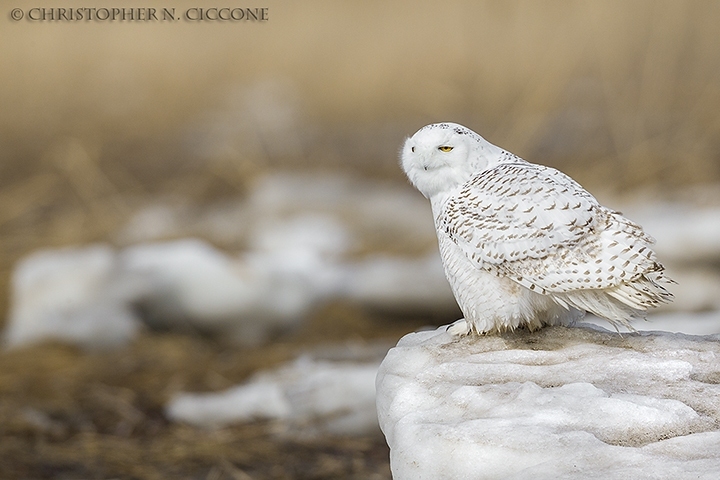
(524, 244)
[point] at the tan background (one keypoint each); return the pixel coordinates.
(618, 94)
(98, 119)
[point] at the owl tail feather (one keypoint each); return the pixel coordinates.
(598, 302)
(621, 304)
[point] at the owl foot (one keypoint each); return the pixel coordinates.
(459, 328)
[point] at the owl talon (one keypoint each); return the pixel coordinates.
(459, 328)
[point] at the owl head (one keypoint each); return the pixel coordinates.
(440, 157)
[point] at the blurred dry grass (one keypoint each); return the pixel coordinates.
(96, 119)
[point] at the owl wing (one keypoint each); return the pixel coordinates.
(540, 228)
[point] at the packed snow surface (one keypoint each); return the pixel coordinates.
(559, 403)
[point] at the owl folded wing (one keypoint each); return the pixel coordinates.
(540, 228)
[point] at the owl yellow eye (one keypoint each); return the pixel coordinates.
(445, 148)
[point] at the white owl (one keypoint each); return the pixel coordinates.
(524, 244)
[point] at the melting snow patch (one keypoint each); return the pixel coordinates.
(308, 395)
(190, 282)
(73, 295)
(558, 403)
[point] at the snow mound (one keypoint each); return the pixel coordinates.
(96, 296)
(190, 282)
(72, 295)
(308, 395)
(558, 403)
